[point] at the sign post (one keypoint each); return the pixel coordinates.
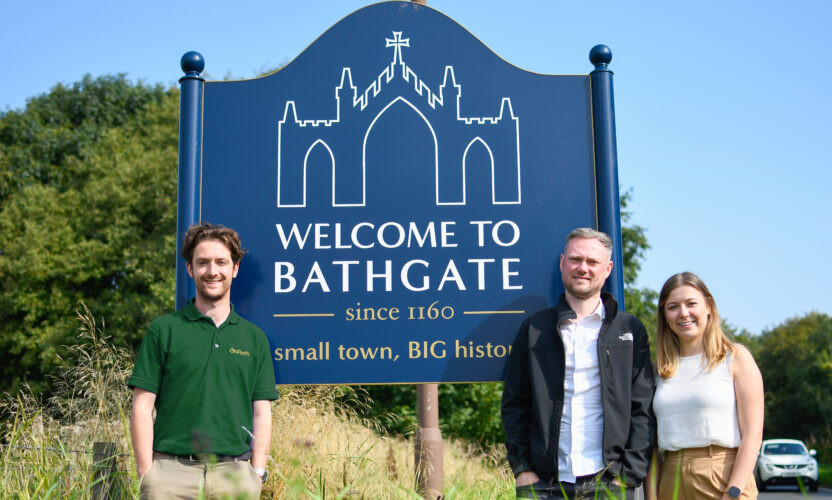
(429, 451)
(190, 114)
(429, 456)
(606, 164)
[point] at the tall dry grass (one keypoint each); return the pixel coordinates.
(320, 448)
(47, 445)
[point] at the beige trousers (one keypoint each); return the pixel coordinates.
(172, 478)
(700, 474)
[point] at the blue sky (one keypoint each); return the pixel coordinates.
(722, 109)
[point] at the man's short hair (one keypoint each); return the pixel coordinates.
(206, 231)
(586, 232)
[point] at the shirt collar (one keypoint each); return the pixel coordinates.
(598, 314)
(600, 311)
(563, 312)
(193, 314)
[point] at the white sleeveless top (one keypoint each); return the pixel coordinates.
(697, 408)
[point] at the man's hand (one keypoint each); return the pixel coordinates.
(141, 468)
(526, 478)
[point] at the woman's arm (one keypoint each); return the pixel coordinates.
(748, 386)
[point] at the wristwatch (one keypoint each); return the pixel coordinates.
(263, 473)
(734, 492)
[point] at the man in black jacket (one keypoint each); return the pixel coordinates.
(579, 386)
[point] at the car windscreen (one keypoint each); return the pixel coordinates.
(784, 449)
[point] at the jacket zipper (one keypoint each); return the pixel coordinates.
(604, 377)
(555, 425)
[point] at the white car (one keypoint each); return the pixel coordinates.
(785, 461)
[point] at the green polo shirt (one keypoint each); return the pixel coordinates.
(205, 379)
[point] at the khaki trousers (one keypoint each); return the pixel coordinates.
(701, 474)
(175, 478)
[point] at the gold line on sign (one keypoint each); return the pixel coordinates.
(493, 312)
(305, 315)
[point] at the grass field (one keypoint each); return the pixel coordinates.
(320, 448)
(825, 474)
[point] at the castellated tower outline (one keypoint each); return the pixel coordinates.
(344, 137)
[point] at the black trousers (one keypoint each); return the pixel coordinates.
(584, 488)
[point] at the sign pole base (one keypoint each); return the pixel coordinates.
(428, 452)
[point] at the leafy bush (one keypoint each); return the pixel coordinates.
(88, 213)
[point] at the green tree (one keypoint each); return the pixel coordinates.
(40, 143)
(87, 214)
(640, 302)
(744, 337)
(795, 359)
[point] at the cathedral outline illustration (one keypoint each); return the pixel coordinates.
(344, 137)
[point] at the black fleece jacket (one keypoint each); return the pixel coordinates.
(533, 393)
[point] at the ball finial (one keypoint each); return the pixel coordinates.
(192, 63)
(600, 56)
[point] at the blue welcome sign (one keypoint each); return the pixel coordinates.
(404, 194)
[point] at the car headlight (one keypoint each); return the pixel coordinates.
(769, 468)
(811, 466)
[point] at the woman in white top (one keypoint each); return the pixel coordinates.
(708, 401)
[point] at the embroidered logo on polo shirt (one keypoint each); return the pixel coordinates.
(626, 337)
(239, 352)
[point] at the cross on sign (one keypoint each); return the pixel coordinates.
(398, 43)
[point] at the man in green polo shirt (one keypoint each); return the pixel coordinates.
(208, 372)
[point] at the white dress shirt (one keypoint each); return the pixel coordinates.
(580, 449)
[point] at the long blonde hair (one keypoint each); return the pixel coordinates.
(716, 343)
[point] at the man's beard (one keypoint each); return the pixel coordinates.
(212, 295)
(582, 293)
